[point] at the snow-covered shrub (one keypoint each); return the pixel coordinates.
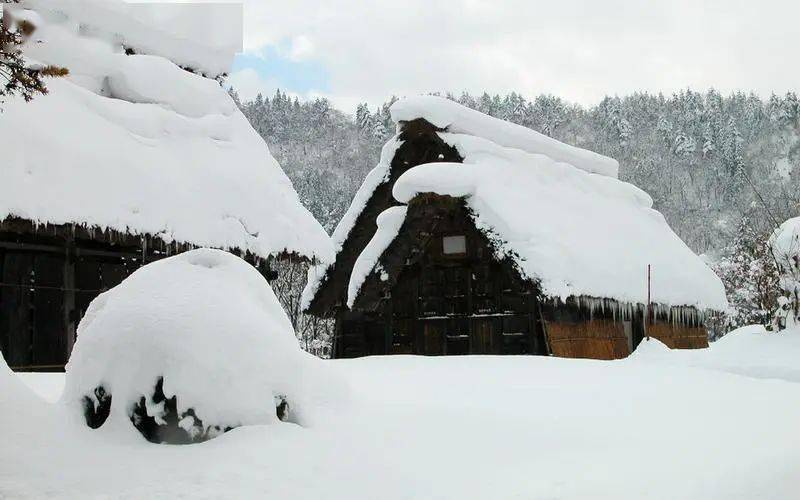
(187, 348)
(748, 271)
(785, 246)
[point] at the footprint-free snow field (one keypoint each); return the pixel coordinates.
(716, 423)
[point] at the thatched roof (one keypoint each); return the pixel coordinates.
(134, 144)
(576, 231)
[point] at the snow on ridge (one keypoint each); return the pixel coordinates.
(136, 144)
(377, 176)
(455, 118)
(577, 233)
(389, 223)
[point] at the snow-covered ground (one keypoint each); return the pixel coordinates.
(717, 423)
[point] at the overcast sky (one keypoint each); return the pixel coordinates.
(355, 51)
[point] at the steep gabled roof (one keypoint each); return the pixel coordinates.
(416, 143)
(135, 144)
(575, 230)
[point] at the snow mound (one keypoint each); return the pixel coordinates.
(137, 144)
(205, 322)
(650, 349)
(577, 233)
(14, 395)
(455, 118)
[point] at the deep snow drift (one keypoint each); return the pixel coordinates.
(207, 323)
(135, 143)
(651, 426)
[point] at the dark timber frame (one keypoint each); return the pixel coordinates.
(50, 273)
(422, 300)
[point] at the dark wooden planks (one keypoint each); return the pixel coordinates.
(16, 308)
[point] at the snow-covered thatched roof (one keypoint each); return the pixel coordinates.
(136, 144)
(558, 211)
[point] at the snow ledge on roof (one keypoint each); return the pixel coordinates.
(455, 118)
(576, 233)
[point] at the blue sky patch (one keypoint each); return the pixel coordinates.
(293, 76)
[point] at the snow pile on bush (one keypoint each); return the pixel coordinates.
(203, 327)
(785, 246)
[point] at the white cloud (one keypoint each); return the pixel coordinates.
(301, 48)
(580, 50)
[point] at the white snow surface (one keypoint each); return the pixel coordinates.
(201, 36)
(209, 324)
(134, 143)
(389, 223)
(580, 234)
(457, 119)
(377, 176)
(662, 425)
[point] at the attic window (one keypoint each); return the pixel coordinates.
(454, 245)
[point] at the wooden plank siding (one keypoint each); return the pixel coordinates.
(48, 277)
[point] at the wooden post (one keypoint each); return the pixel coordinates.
(647, 318)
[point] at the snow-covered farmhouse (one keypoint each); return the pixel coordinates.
(474, 235)
(128, 159)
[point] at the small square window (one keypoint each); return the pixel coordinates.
(454, 245)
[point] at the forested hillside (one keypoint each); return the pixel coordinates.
(724, 170)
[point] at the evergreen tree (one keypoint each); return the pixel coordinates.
(363, 119)
(16, 76)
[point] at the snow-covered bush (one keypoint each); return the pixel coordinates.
(785, 246)
(748, 271)
(186, 348)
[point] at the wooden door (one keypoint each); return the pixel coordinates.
(482, 335)
(433, 335)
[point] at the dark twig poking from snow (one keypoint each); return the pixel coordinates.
(97, 409)
(159, 421)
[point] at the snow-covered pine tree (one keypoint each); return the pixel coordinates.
(364, 119)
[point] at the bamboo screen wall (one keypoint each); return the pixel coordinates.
(597, 339)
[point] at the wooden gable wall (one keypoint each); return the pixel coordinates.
(420, 144)
(437, 303)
